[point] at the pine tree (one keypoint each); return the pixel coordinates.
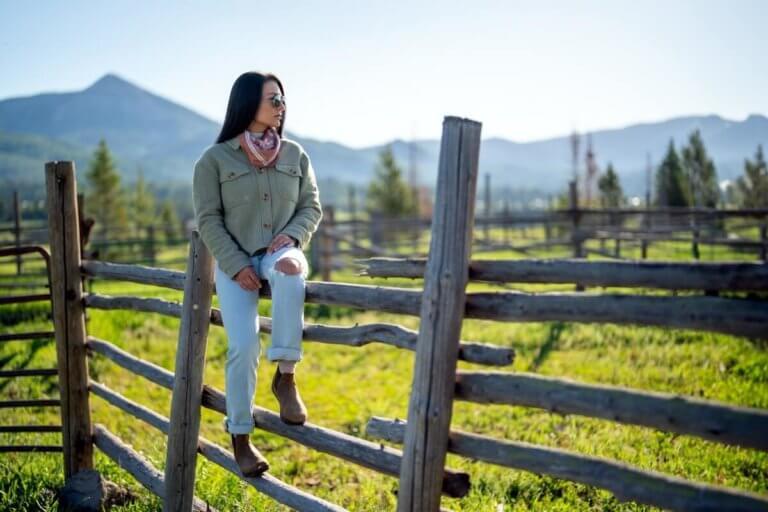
(105, 200)
(388, 194)
(169, 220)
(671, 186)
(611, 194)
(700, 172)
(142, 205)
(753, 186)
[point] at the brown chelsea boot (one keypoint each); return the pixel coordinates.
(250, 461)
(292, 409)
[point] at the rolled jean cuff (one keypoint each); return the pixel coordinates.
(285, 354)
(239, 428)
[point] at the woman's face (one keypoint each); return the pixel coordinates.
(268, 114)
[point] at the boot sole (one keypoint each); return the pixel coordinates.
(289, 422)
(255, 473)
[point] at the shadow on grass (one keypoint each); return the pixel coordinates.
(555, 330)
(33, 347)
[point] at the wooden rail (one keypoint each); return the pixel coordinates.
(624, 481)
(709, 420)
(635, 274)
(741, 317)
(359, 335)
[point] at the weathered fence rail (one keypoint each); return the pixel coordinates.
(741, 276)
(709, 420)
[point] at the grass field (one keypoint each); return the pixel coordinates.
(344, 387)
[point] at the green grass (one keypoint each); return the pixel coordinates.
(343, 387)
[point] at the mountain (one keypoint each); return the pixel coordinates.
(164, 139)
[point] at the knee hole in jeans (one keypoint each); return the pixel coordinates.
(290, 266)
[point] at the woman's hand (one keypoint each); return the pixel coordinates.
(248, 279)
(279, 242)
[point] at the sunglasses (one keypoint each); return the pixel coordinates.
(277, 100)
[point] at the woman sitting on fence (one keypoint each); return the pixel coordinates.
(257, 205)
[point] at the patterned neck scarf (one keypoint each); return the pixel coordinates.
(261, 152)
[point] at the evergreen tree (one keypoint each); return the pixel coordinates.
(142, 205)
(105, 200)
(169, 220)
(700, 172)
(388, 194)
(611, 194)
(753, 186)
(671, 186)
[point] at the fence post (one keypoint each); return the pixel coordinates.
(17, 228)
(487, 208)
(442, 312)
(69, 315)
(327, 243)
(695, 244)
(353, 220)
(188, 381)
(505, 225)
(576, 238)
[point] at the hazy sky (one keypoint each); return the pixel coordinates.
(362, 73)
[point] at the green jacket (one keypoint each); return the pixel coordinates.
(239, 208)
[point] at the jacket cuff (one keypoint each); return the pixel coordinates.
(235, 264)
(297, 234)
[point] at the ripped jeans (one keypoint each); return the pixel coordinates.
(240, 315)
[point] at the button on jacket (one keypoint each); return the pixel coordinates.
(240, 208)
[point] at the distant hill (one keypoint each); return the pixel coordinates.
(164, 139)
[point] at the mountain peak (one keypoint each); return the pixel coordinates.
(110, 82)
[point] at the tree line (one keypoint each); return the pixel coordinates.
(688, 178)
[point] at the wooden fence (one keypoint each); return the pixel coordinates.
(577, 231)
(441, 306)
(196, 314)
(710, 420)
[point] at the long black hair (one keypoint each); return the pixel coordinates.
(244, 101)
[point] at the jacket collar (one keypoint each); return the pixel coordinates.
(234, 142)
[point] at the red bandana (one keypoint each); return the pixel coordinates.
(262, 152)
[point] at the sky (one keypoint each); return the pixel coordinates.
(364, 73)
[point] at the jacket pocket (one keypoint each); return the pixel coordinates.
(287, 180)
(237, 187)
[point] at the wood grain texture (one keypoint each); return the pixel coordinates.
(181, 454)
(736, 276)
(68, 315)
(441, 312)
(710, 420)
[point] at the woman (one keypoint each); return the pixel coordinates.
(256, 205)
